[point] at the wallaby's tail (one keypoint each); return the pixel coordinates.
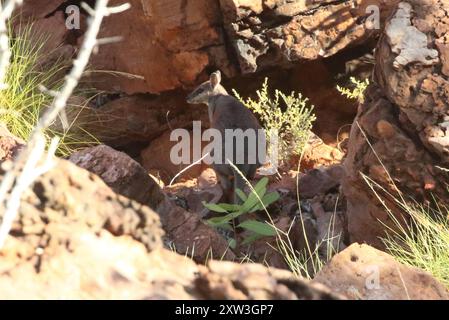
(239, 183)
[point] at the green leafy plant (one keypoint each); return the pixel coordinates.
(257, 200)
(357, 90)
(288, 115)
(24, 99)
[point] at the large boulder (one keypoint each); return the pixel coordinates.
(362, 272)
(171, 44)
(101, 266)
(68, 198)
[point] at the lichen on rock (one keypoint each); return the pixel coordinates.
(407, 41)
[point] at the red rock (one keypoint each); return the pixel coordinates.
(9, 144)
(120, 172)
(362, 272)
(168, 45)
(136, 119)
(38, 9)
(190, 236)
(403, 119)
(156, 158)
(288, 36)
(320, 181)
(101, 266)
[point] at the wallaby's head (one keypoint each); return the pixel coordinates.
(207, 89)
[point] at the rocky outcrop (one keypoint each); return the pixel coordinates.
(400, 136)
(174, 43)
(170, 46)
(277, 32)
(67, 199)
(74, 238)
(101, 266)
(362, 272)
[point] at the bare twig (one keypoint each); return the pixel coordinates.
(6, 11)
(30, 172)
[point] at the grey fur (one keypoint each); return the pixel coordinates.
(226, 112)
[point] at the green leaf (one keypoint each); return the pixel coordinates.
(253, 200)
(241, 195)
(258, 193)
(262, 184)
(214, 207)
(224, 226)
(268, 199)
(217, 221)
(250, 239)
(230, 207)
(260, 228)
(232, 243)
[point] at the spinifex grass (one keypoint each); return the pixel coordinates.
(421, 237)
(24, 99)
(424, 242)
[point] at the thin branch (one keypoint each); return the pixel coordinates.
(6, 11)
(30, 172)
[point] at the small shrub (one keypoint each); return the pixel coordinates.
(292, 125)
(357, 91)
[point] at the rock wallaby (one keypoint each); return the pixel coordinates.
(226, 112)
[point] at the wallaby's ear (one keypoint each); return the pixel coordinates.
(215, 79)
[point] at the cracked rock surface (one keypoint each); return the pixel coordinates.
(405, 119)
